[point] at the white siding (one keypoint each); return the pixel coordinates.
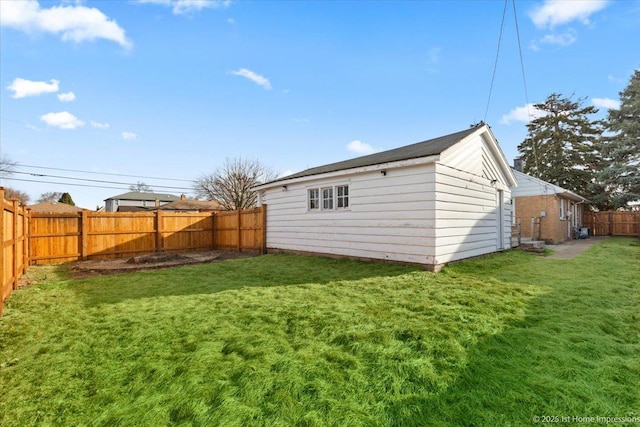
(467, 211)
(474, 156)
(430, 210)
(390, 217)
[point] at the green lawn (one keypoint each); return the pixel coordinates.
(283, 340)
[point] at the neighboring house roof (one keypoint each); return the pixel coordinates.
(192, 205)
(531, 186)
(53, 207)
(136, 195)
(431, 147)
(136, 209)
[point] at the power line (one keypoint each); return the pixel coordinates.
(524, 82)
(65, 183)
(103, 173)
(495, 65)
(86, 179)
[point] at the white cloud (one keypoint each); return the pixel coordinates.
(360, 147)
(67, 97)
(254, 77)
(183, 7)
(99, 125)
(75, 23)
(521, 114)
(564, 39)
(63, 120)
(22, 88)
(129, 136)
(609, 104)
(557, 12)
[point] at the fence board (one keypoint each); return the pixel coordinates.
(44, 238)
(13, 245)
(100, 235)
(613, 223)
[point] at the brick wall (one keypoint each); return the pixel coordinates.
(552, 228)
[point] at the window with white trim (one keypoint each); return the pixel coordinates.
(562, 209)
(342, 196)
(328, 198)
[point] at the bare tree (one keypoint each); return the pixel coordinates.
(50, 196)
(140, 187)
(7, 166)
(230, 185)
(10, 193)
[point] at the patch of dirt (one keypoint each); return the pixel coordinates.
(81, 269)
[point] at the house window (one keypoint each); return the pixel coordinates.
(327, 198)
(342, 200)
(314, 199)
(562, 209)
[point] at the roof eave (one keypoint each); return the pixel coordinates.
(573, 196)
(351, 171)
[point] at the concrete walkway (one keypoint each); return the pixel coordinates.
(572, 248)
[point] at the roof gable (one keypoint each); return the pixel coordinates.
(480, 154)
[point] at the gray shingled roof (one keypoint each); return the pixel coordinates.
(421, 149)
(135, 195)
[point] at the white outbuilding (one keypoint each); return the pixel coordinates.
(428, 203)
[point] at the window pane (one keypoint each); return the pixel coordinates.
(327, 198)
(314, 199)
(343, 196)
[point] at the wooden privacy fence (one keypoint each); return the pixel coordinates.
(64, 237)
(15, 245)
(613, 223)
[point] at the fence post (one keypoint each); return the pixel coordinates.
(1, 251)
(27, 238)
(264, 229)
(14, 267)
(610, 223)
(158, 231)
(84, 234)
(239, 246)
(213, 230)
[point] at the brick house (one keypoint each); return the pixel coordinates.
(545, 211)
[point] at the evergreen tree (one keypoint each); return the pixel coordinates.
(561, 145)
(621, 176)
(66, 198)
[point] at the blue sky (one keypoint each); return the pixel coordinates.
(170, 88)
